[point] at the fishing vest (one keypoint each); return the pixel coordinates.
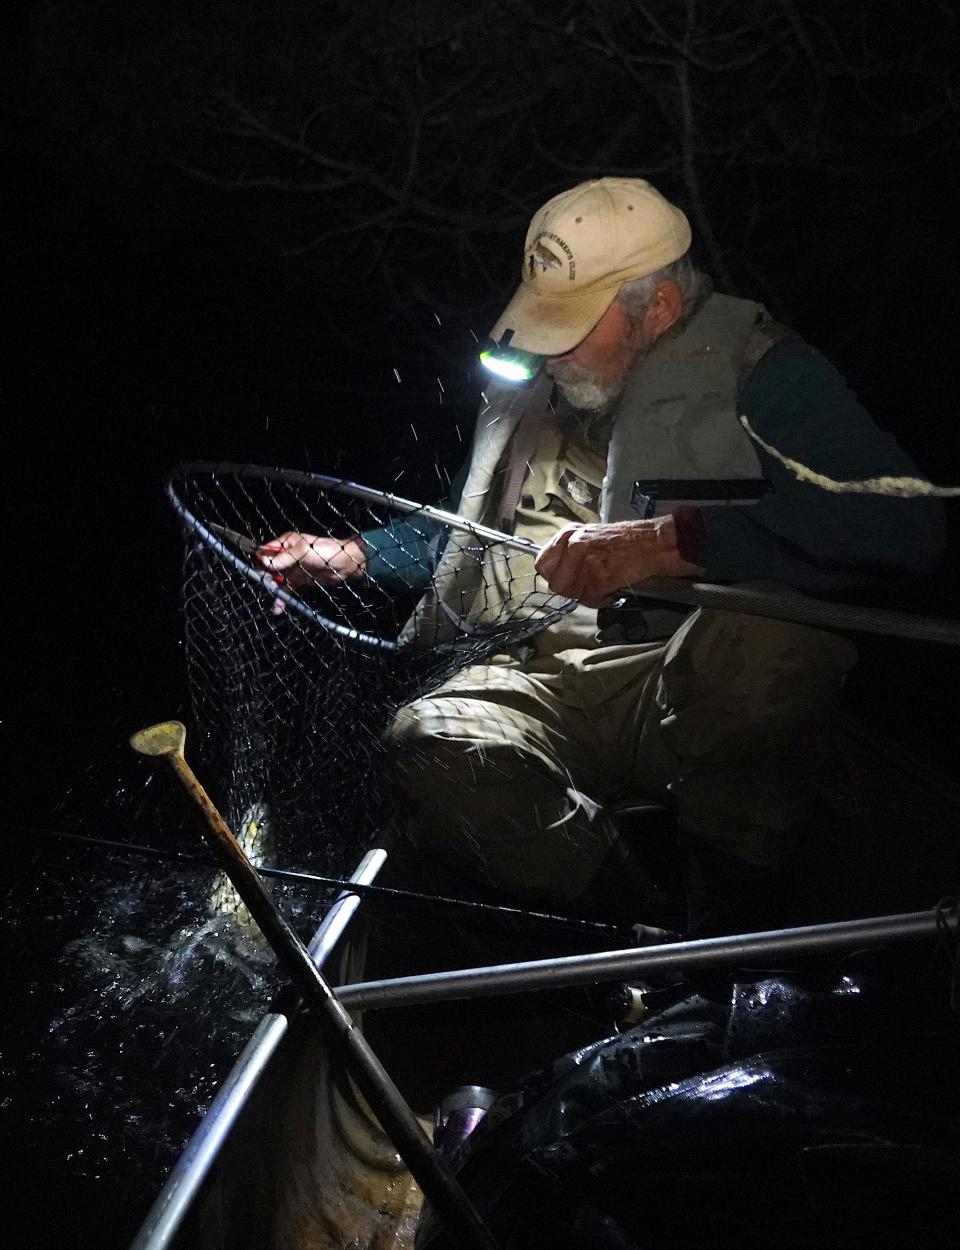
(675, 439)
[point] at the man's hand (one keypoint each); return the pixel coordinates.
(591, 563)
(303, 559)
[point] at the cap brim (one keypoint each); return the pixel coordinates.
(551, 326)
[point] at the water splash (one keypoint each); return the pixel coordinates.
(152, 1000)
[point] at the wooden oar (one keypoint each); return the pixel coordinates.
(428, 1168)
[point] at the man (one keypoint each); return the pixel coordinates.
(628, 461)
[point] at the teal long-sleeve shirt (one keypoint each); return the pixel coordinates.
(797, 533)
(402, 556)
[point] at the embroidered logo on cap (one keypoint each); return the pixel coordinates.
(541, 257)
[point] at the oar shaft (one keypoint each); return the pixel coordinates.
(401, 1125)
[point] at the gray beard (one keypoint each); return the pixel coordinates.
(584, 390)
(591, 428)
(588, 404)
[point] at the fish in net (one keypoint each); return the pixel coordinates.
(292, 685)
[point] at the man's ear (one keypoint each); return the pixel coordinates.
(664, 308)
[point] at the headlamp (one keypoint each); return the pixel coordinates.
(511, 364)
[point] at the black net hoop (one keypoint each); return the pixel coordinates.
(292, 685)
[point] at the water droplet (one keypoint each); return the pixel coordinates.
(396, 374)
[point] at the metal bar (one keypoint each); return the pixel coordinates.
(357, 491)
(609, 965)
(799, 608)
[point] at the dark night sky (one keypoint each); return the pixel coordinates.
(155, 317)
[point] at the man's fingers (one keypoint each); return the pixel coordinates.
(563, 564)
(553, 553)
(594, 597)
(273, 556)
(583, 579)
(281, 553)
(598, 584)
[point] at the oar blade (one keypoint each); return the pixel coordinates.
(167, 738)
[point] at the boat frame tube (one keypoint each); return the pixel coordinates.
(542, 974)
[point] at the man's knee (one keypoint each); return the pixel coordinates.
(458, 718)
(484, 793)
(408, 728)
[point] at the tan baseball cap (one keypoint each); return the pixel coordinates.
(581, 247)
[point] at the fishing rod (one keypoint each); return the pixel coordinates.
(642, 935)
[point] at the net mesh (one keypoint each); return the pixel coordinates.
(293, 685)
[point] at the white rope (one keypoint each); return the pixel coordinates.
(898, 487)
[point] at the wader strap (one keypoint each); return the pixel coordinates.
(523, 449)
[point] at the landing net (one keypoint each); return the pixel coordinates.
(293, 685)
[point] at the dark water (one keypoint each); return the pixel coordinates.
(127, 1003)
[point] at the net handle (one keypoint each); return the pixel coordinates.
(368, 493)
(796, 607)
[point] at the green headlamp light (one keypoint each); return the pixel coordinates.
(510, 364)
